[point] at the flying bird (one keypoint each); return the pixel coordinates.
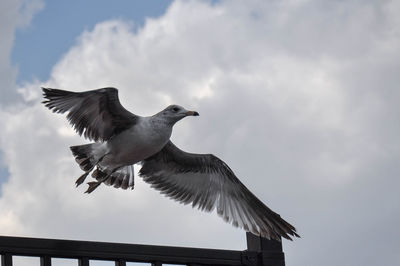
(122, 139)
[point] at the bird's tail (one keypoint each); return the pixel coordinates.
(119, 177)
(84, 156)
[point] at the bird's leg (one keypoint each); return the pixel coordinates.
(94, 184)
(82, 178)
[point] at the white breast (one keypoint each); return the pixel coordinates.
(144, 139)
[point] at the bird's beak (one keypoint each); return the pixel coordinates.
(192, 113)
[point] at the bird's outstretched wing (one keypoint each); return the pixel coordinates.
(97, 114)
(207, 182)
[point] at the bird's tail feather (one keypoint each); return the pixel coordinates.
(84, 156)
(122, 177)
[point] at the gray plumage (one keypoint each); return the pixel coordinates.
(123, 139)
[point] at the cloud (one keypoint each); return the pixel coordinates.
(13, 15)
(298, 97)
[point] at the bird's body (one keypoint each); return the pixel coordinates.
(123, 139)
(136, 143)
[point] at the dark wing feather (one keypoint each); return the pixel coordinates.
(97, 114)
(207, 183)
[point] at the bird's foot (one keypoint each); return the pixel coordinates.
(92, 186)
(82, 178)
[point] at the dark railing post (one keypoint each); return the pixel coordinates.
(45, 261)
(270, 251)
(120, 263)
(6, 260)
(83, 261)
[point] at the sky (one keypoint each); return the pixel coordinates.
(299, 97)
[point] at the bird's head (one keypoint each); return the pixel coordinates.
(174, 113)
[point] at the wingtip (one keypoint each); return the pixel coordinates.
(45, 93)
(291, 234)
(44, 89)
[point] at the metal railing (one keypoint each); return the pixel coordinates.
(260, 252)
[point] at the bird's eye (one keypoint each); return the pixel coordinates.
(175, 109)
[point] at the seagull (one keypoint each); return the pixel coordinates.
(122, 139)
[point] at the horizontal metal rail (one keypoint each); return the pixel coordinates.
(85, 251)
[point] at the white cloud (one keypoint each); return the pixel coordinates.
(13, 14)
(299, 97)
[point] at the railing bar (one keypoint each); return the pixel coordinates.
(6, 259)
(259, 251)
(114, 251)
(83, 262)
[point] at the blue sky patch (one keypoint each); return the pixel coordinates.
(53, 30)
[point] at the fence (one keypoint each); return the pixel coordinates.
(260, 252)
